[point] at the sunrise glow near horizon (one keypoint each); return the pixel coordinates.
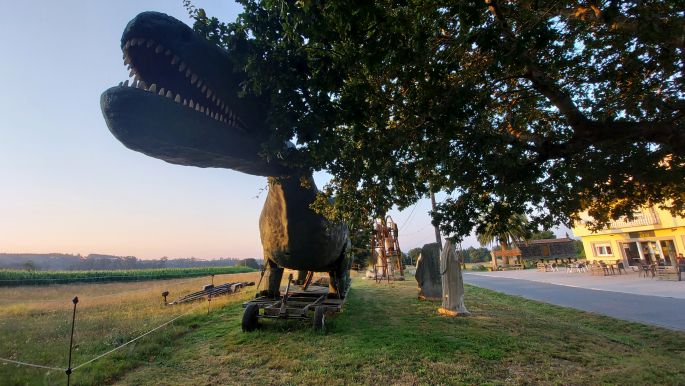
(68, 186)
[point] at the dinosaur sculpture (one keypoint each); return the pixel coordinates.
(183, 107)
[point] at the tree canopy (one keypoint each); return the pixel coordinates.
(530, 107)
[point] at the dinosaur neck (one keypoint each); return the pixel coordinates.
(290, 192)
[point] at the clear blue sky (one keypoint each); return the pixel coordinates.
(67, 185)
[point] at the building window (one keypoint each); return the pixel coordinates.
(603, 250)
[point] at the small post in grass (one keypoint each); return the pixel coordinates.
(71, 340)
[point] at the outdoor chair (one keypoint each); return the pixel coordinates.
(620, 266)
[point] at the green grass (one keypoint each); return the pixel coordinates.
(386, 336)
(17, 277)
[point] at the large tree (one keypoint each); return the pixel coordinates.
(533, 107)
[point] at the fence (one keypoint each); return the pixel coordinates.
(77, 313)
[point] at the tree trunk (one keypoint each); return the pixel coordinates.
(452, 282)
(505, 259)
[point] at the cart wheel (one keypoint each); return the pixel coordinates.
(250, 322)
(319, 318)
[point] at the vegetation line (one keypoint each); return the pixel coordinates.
(16, 277)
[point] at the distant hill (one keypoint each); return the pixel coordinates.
(67, 262)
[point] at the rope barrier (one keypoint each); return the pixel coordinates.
(30, 364)
(133, 340)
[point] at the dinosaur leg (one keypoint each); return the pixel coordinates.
(340, 276)
(273, 274)
(301, 277)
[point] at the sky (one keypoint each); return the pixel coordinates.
(68, 186)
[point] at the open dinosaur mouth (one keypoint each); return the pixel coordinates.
(161, 72)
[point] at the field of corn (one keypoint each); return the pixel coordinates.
(18, 277)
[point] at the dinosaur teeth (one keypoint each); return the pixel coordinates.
(204, 88)
(193, 79)
(175, 60)
(182, 67)
(121, 84)
(185, 102)
(178, 98)
(199, 83)
(153, 88)
(127, 45)
(188, 72)
(169, 94)
(161, 91)
(197, 107)
(125, 83)
(191, 104)
(142, 85)
(202, 109)
(127, 61)
(159, 49)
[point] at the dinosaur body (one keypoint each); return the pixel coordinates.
(183, 107)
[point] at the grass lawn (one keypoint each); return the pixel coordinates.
(35, 323)
(386, 336)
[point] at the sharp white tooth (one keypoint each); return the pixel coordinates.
(174, 60)
(134, 83)
(142, 85)
(136, 77)
(202, 109)
(127, 45)
(204, 88)
(193, 79)
(169, 94)
(161, 92)
(150, 43)
(185, 102)
(158, 49)
(182, 66)
(207, 112)
(191, 104)
(132, 73)
(188, 72)
(197, 107)
(153, 88)
(167, 52)
(178, 98)
(199, 83)
(127, 61)
(209, 93)
(126, 83)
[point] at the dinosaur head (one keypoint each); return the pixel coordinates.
(183, 105)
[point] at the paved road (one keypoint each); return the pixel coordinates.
(656, 310)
